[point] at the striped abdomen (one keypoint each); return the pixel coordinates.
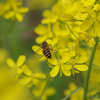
(47, 53)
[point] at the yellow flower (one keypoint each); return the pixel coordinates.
(3, 8)
(69, 61)
(93, 20)
(50, 16)
(16, 66)
(44, 33)
(60, 29)
(49, 91)
(60, 65)
(32, 78)
(92, 42)
(76, 96)
(16, 13)
(12, 10)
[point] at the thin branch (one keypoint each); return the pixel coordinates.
(71, 93)
(89, 70)
(93, 96)
(72, 32)
(40, 98)
(95, 65)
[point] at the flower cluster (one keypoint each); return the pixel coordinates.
(69, 26)
(12, 9)
(25, 76)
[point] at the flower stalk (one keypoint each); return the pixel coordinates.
(89, 70)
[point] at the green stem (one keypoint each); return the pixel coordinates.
(45, 88)
(76, 36)
(95, 65)
(90, 97)
(89, 70)
(73, 33)
(65, 98)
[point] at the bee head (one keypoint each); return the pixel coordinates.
(44, 45)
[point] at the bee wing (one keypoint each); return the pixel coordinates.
(37, 49)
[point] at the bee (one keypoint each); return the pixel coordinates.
(46, 49)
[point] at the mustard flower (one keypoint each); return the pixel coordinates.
(60, 29)
(92, 20)
(12, 10)
(44, 33)
(89, 21)
(16, 13)
(49, 91)
(87, 39)
(50, 16)
(31, 78)
(69, 61)
(71, 87)
(3, 8)
(16, 66)
(59, 66)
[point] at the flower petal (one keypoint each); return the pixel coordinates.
(39, 75)
(53, 61)
(61, 52)
(41, 39)
(81, 67)
(26, 70)
(24, 80)
(40, 29)
(88, 2)
(21, 59)
(9, 14)
(37, 49)
(65, 71)
(82, 56)
(54, 71)
(86, 24)
(50, 91)
(19, 17)
(23, 9)
(66, 66)
(42, 59)
(10, 62)
(91, 12)
(66, 57)
(19, 70)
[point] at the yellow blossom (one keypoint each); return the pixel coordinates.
(49, 91)
(16, 66)
(30, 77)
(44, 32)
(16, 13)
(12, 10)
(75, 96)
(50, 16)
(69, 61)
